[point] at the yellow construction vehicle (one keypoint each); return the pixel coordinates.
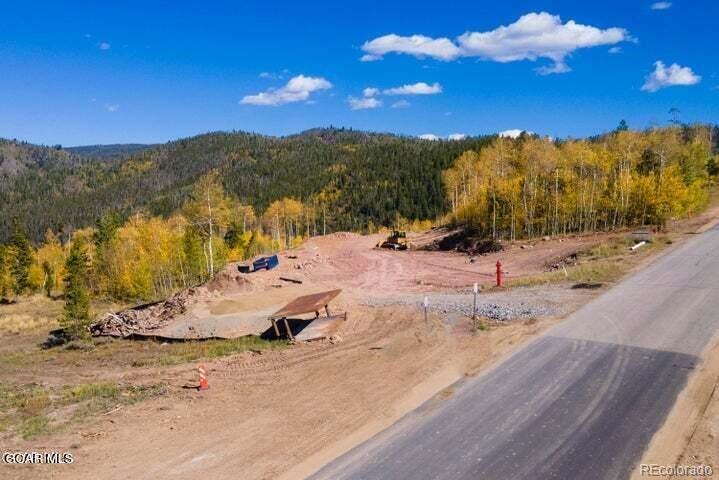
(396, 241)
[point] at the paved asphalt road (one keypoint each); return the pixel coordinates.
(581, 401)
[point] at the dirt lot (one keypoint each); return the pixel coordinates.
(266, 413)
(703, 447)
(278, 410)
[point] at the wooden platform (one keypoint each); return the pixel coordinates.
(318, 327)
(306, 304)
(323, 327)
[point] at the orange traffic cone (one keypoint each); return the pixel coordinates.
(203, 378)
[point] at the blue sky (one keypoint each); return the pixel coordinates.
(79, 73)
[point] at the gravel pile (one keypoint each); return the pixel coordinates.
(463, 305)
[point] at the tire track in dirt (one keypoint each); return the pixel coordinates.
(283, 361)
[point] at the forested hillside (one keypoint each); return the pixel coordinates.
(355, 177)
(109, 152)
(171, 217)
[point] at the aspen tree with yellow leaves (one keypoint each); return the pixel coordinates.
(534, 186)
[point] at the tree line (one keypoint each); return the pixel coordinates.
(534, 186)
(146, 258)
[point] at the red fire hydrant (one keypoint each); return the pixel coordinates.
(499, 273)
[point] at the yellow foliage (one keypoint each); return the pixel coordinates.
(532, 186)
(53, 253)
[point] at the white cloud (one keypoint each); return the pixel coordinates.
(538, 35)
(532, 36)
(297, 89)
(273, 75)
(363, 103)
(370, 95)
(417, 45)
(370, 92)
(420, 88)
(112, 108)
(514, 133)
(104, 46)
(664, 76)
(456, 136)
(552, 69)
(661, 5)
(615, 50)
(428, 136)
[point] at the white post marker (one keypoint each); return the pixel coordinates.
(474, 307)
(426, 306)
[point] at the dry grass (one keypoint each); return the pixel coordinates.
(31, 410)
(117, 354)
(29, 314)
(37, 312)
(184, 352)
(603, 263)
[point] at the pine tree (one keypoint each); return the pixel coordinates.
(4, 273)
(105, 230)
(22, 258)
(76, 314)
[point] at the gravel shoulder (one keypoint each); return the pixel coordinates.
(555, 300)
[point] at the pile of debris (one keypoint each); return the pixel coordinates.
(569, 261)
(464, 242)
(141, 319)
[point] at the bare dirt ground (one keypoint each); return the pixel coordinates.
(690, 434)
(266, 413)
(702, 444)
(293, 407)
(284, 412)
(703, 447)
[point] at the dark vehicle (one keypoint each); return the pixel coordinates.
(265, 263)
